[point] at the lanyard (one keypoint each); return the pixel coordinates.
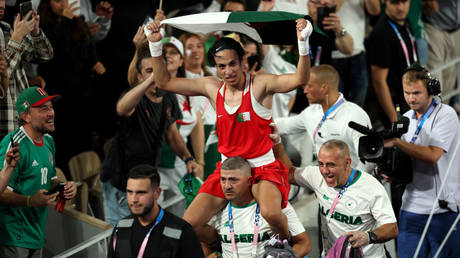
(403, 44)
(425, 116)
(146, 238)
(339, 196)
(328, 112)
(232, 231)
(316, 60)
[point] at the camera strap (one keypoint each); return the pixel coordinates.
(425, 116)
(403, 44)
(340, 194)
(232, 231)
(328, 112)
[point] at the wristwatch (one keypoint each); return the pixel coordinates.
(343, 32)
(187, 160)
(372, 237)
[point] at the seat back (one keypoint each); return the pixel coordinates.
(84, 166)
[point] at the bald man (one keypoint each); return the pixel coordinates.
(350, 202)
(328, 115)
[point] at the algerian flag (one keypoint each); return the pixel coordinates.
(271, 27)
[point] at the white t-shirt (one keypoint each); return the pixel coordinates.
(335, 127)
(273, 63)
(364, 206)
(352, 18)
(243, 222)
(442, 130)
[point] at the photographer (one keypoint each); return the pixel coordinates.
(434, 130)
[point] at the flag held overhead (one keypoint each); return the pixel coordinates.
(271, 27)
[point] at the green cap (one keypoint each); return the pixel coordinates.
(33, 97)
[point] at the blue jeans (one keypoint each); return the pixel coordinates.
(422, 51)
(411, 226)
(115, 203)
(353, 77)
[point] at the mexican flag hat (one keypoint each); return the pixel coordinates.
(271, 27)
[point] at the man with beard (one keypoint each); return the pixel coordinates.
(23, 204)
(25, 43)
(151, 231)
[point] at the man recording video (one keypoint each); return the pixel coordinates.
(434, 131)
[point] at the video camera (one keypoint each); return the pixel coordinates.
(390, 161)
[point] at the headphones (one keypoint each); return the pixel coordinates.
(433, 86)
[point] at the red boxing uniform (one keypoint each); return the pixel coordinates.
(246, 134)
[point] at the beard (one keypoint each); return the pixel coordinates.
(144, 212)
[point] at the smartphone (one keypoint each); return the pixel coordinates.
(323, 12)
(252, 60)
(77, 12)
(58, 188)
(12, 142)
(25, 8)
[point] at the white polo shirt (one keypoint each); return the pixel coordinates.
(335, 127)
(442, 130)
(364, 206)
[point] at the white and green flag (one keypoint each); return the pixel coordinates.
(272, 27)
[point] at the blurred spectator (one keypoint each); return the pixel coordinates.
(293, 6)
(171, 167)
(391, 50)
(25, 44)
(195, 67)
(352, 67)
(328, 115)
(415, 18)
(147, 118)
(24, 204)
(214, 6)
(442, 27)
(69, 74)
(331, 25)
(236, 181)
(4, 81)
(360, 207)
(233, 6)
(434, 131)
(151, 231)
(98, 20)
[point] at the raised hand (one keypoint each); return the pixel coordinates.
(304, 29)
(104, 9)
(22, 27)
(69, 10)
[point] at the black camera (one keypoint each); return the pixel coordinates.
(390, 161)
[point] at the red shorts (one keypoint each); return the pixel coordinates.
(275, 172)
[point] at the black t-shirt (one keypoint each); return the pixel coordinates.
(139, 137)
(188, 244)
(385, 51)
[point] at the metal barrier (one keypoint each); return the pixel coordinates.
(93, 240)
(455, 61)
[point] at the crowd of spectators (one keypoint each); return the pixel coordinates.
(95, 55)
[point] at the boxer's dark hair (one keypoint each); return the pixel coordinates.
(222, 44)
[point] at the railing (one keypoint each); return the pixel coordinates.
(455, 92)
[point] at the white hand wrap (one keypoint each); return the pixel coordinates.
(156, 48)
(303, 45)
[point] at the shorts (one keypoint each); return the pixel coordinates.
(275, 172)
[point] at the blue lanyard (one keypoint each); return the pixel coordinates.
(328, 112)
(403, 44)
(342, 191)
(425, 116)
(232, 230)
(146, 238)
(316, 60)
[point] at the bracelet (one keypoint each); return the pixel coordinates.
(28, 201)
(187, 160)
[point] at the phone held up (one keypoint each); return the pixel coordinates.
(24, 9)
